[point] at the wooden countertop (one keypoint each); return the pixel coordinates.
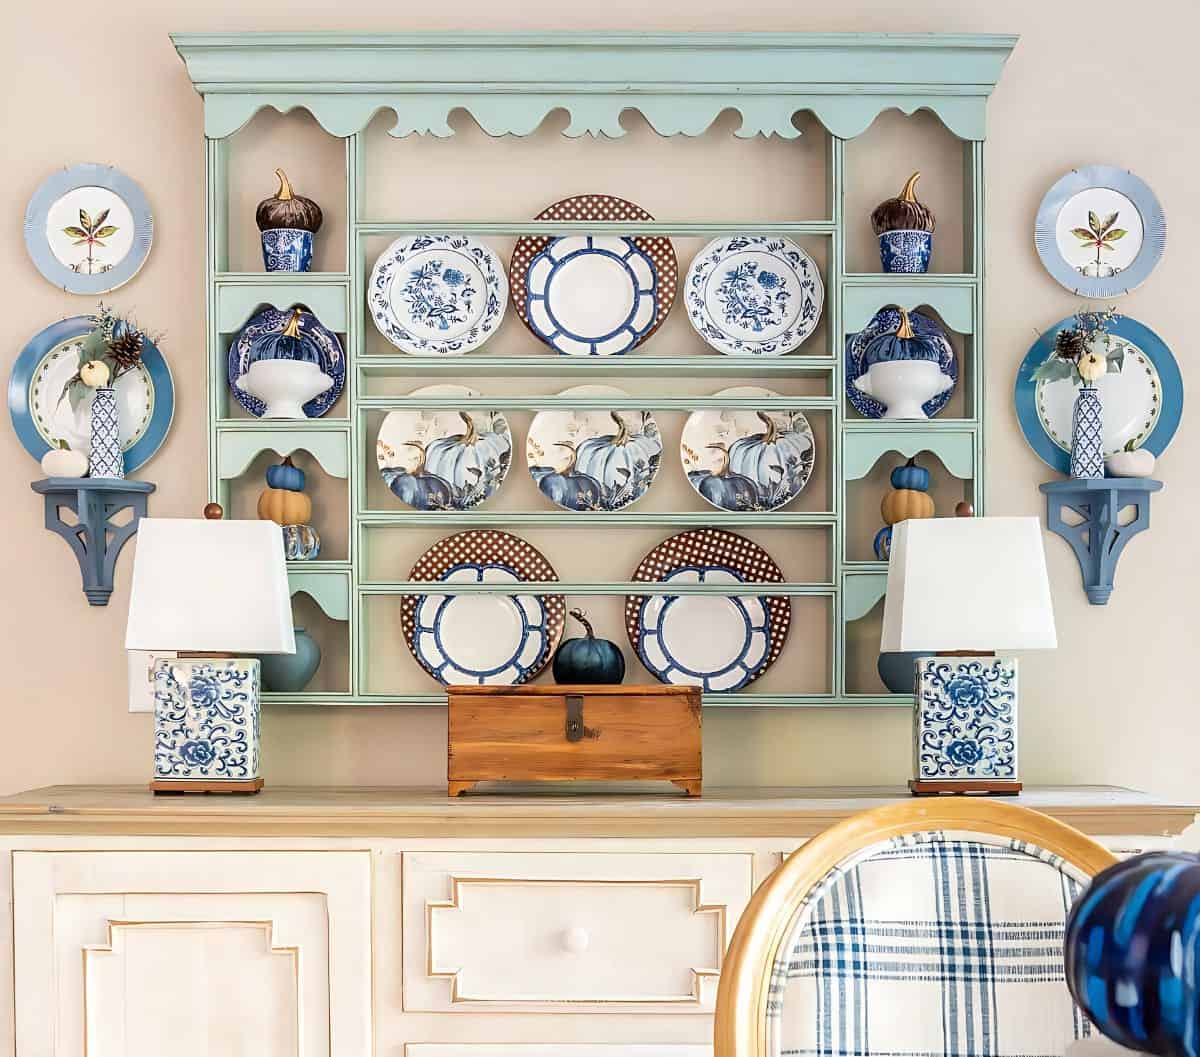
(587, 812)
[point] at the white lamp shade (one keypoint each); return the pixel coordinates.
(210, 586)
(967, 583)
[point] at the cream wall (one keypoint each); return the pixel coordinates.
(1102, 82)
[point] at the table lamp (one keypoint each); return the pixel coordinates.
(214, 591)
(962, 588)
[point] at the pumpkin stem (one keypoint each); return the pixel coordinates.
(723, 469)
(772, 433)
(292, 330)
(285, 192)
(471, 437)
(909, 194)
(622, 437)
(905, 329)
(287, 461)
(581, 616)
(912, 461)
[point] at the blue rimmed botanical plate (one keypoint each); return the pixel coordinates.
(271, 321)
(717, 642)
(1142, 403)
(887, 321)
(1100, 231)
(496, 639)
(41, 416)
(443, 459)
(593, 460)
(754, 295)
(88, 228)
(437, 295)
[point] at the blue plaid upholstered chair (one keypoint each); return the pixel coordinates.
(932, 928)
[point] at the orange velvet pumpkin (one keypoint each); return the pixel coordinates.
(284, 507)
(900, 504)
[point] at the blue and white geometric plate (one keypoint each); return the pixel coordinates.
(494, 639)
(717, 642)
(88, 229)
(437, 295)
(1100, 231)
(886, 321)
(754, 295)
(145, 396)
(273, 321)
(443, 459)
(1142, 403)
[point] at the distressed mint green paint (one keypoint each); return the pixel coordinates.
(509, 83)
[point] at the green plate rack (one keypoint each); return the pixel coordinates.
(509, 83)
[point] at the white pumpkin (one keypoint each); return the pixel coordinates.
(1136, 463)
(95, 373)
(63, 462)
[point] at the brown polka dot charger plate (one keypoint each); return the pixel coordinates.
(482, 639)
(593, 295)
(717, 642)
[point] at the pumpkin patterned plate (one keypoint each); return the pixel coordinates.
(443, 460)
(754, 295)
(593, 460)
(269, 324)
(887, 321)
(493, 639)
(717, 642)
(747, 460)
(593, 295)
(437, 295)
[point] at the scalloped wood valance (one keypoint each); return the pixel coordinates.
(510, 82)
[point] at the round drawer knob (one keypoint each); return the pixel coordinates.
(576, 940)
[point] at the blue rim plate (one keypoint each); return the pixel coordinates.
(1162, 396)
(36, 383)
(1102, 193)
(886, 321)
(117, 218)
(273, 321)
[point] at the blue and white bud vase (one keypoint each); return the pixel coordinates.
(1087, 435)
(106, 458)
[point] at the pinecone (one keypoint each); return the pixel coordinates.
(1069, 345)
(126, 349)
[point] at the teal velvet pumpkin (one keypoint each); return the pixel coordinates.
(904, 344)
(289, 344)
(589, 660)
(911, 476)
(286, 475)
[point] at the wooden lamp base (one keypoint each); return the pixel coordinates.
(963, 787)
(197, 785)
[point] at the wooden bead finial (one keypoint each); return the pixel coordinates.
(964, 509)
(214, 512)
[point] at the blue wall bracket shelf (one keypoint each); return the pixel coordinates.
(96, 541)
(1100, 537)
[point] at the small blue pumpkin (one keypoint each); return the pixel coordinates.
(911, 476)
(588, 661)
(286, 475)
(904, 344)
(289, 344)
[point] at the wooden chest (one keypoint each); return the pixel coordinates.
(557, 733)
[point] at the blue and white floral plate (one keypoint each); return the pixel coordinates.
(887, 321)
(443, 459)
(593, 460)
(593, 295)
(754, 295)
(41, 415)
(273, 321)
(493, 638)
(747, 460)
(437, 295)
(717, 642)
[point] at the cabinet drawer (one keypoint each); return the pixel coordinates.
(568, 931)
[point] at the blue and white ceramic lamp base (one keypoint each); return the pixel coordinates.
(206, 726)
(965, 725)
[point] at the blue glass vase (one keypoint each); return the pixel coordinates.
(1087, 435)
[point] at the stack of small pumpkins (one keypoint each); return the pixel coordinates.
(909, 498)
(285, 502)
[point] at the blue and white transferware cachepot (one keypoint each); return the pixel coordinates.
(965, 719)
(905, 252)
(206, 720)
(265, 337)
(287, 249)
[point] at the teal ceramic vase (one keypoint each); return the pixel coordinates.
(289, 673)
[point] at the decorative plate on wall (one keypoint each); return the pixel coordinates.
(443, 459)
(717, 642)
(88, 229)
(754, 295)
(593, 460)
(1142, 403)
(593, 295)
(40, 413)
(483, 639)
(273, 321)
(887, 321)
(437, 295)
(747, 460)
(1100, 231)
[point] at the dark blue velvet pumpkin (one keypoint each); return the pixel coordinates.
(904, 344)
(286, 475)
(911, 476)
(589, 660)
(1133, 953)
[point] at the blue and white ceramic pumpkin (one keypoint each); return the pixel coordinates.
(903, 344)
(289, 344)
